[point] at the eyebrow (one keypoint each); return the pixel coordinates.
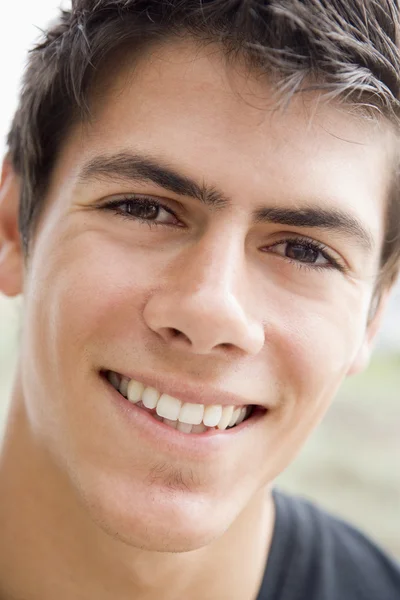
(140, 167)
(136, 167)
(320, 218)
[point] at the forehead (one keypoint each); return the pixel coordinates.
(221, 123)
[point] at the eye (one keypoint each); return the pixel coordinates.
(144, 210)
(306, 252)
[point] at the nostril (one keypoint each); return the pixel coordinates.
(170, 333)
(229, 347)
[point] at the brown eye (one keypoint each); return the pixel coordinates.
(302, 253)
(141, 210)
(144, 210)
(306, 252)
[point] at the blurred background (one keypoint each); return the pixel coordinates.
(351, 464)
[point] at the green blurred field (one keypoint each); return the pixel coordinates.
(351, 464)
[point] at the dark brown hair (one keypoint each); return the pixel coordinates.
(346, 48)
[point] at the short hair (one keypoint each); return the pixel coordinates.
(347, 49)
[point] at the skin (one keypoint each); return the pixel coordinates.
(98, 510)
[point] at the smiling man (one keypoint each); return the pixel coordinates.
(200, 206)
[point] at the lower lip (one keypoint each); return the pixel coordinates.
(167, 438)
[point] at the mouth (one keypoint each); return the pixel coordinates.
(188, 418)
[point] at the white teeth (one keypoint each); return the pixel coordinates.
(187, 417)
(150, 397)
(168, 407)
(212, 415)
(123, 386)
(242, 416)
(235, 417)
(199, 428)
(191, 413)
(135, 391)
(184, 427)
(168, 422)
(225, 419)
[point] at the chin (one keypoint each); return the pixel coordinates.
(157, 518)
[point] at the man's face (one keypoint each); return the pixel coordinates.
(258, 296)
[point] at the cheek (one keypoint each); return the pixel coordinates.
(318, 341)
(310, 356)
(81, 306)
(93, 291)
(83, 310)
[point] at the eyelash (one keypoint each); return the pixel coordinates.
(315, 247)
(142, 202)
(145, 202)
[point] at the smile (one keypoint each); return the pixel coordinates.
(183, 416)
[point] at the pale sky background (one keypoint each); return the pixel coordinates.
(20, 25)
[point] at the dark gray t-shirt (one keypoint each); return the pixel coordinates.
(315, 556)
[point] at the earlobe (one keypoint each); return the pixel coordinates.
(11, 256)
(361, 361)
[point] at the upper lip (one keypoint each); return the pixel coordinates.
(196, 393)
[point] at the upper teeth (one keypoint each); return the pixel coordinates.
(168, 407)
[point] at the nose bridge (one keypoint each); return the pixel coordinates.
(213, 268)
(205, 300)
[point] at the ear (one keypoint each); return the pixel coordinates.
(11, 255)
(377, 312)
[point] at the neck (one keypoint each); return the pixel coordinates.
(48, 538)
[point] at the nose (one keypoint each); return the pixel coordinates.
(201, 304)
